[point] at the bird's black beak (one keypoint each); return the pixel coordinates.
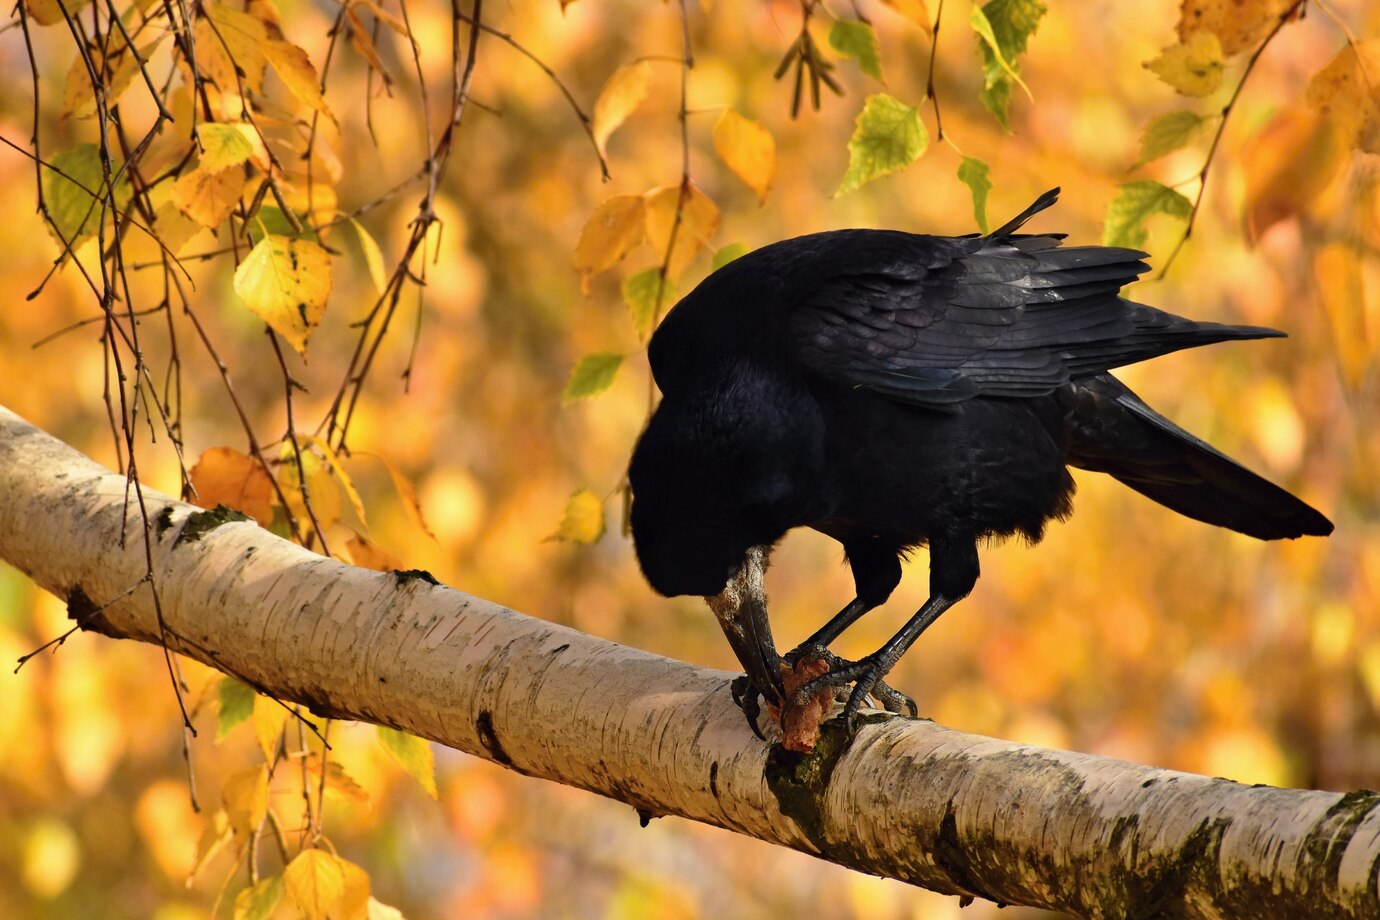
(741, 609)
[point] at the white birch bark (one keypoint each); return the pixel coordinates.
(911, 800)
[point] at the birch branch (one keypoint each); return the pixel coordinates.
(911, 800)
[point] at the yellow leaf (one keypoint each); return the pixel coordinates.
(354, 902)
(214, 836)
(321, 488)
(295, 69)
(377, 909)
(174, 229)
(223, 146)
(373, 257)
(116, 68)
(224, 476)
(915, 11)
(619, 98)
(615, 227)
(698, 220)
(1347, 91)
(405, 491)
(748, 149)
(315, 882)
(245, 797)
(286, 282)
(208, 197)
(413, 754)
(269, 718)
(1341, 287)
(583, 520)
(228, 41)
(1238, 24)
(1287, 166)
(49, 12)
(369, 555)
(1194, 66)
(343, 477)
(337, 780)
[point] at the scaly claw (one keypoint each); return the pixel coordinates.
(865, 676)
(887, 697)
(745, 695)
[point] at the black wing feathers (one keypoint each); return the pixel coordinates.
(1111, 430)
(935, 320)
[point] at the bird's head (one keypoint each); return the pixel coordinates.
(712, 478)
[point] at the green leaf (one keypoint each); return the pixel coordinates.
(413, 755)
(647, 295)
(1168, 133)
(582, 520)
(257, 902)
(856, 40)
(728, 254)
(1137, 202)
(1005, 27)
(76, 214)
(888, 135)
(593, 375)
(236, 705)
(974, 173)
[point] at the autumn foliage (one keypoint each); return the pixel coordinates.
(380, 275)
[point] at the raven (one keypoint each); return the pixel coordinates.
(893, 390)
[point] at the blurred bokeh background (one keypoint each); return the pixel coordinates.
(1130, 632)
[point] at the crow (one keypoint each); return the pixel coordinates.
(895, 390)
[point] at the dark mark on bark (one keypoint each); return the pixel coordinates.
(404, 576)
(489, 738)
(560, 648)
(714, 779)
(1160, 890)
(200, 523)
(162, 521)
(85, 612)
(644, 817)
(800, 781)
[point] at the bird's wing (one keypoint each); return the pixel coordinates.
(934, 320)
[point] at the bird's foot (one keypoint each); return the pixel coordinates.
(747, 698)
(887, 697)
(821, 678)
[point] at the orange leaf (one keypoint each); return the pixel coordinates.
(1341, 286)
(1287, 166)
(208, 198)
(369, 555)
(224, 476)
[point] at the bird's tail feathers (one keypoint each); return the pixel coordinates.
(1044, 201)
(1111, 430)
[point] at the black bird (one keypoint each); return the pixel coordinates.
(894, 390)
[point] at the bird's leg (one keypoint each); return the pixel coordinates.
(818, 644)
(953, 572)
(741, 609)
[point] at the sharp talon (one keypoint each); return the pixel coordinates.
(745, 697)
